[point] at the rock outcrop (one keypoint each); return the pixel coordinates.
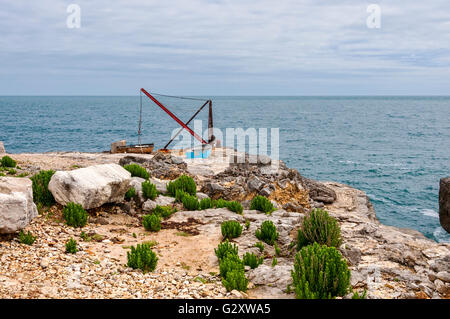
(444, 203)
(2, 148)
(91, 186)
(17, 208)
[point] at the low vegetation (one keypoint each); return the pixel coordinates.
(267, 233)
(320, 272)
(41, 195)
(184, 183)
(260, 246)
(190, 202)
(152, 222)
(137, 170)
(71, 246)
(225, 248)
(142, 257)
(231, 229)
(164, 211)
(130, 194)
(235, 206)
(232, 271)
(149, 190)
(7, 161)
(250, 259)
(206, 203)
(262, 204)
(321, 228)
(75, 215)
(26, 238)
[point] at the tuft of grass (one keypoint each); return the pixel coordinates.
(225, 248)
(206, 203)
(26, 238)
(7, 161)
(142, 257)
(231, 229)
(41, 194)
(71, 246)
(152, 222)
(190, 202)
(131, 193)
(184, 183)
(274, 261)
(137, 171)
(252, 260)
(75, 215)
(262, 204)
(235, 206)
(267, 233)
(164, 211)
(149, 190)
(320, 272)
(319, 227)
(182, 234)
(260, 245)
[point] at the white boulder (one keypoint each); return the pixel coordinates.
(91, 186)
(17, 208)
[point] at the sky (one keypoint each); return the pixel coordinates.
(229, 47)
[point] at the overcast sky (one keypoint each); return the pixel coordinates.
(225, 47)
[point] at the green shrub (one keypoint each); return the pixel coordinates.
(179, 195)
(152, 222)
(137, 171)
(75, 215)
(230, 262)
(131, 193)
(225, 248)
(252, 260)
(277, 250)
(260, 245)
(71, 246)
(356, 295)
(321, 228)
(7, 161)
(235, 280)
(247, 224)
(142, 257)
(274, 261)
(190, 202)
(320, 272)
(149, 190)
(184, 183)
(164, 211)
(12, 171)
(220, 203)
(231, 229)
(41, 194)
(262, 204)
(26, 238)
(235, 207)
(206, 203)
(267, 233)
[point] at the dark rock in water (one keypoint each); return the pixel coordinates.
(319, 192)
(444, 203)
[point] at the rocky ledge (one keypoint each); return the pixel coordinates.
(388, 262)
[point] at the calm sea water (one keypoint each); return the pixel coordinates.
(394, 148)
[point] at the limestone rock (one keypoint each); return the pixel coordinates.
(17, 208)
(149, 205)
(161, 185)
(2, 148)
(92, 186)
(319, 192)
(444, 203)
(164, 200)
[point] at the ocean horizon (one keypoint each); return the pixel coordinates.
(395, 148)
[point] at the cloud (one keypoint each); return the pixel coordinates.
(224, 47)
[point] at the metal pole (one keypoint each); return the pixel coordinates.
(174, 117)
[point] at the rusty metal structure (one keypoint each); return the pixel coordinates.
(184, 126)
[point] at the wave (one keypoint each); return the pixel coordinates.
(430, 213)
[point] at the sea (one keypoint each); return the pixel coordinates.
(394, 148)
